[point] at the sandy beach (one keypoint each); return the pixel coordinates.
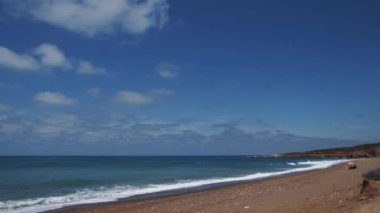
(334, 189)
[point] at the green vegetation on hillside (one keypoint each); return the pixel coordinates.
(359, 151)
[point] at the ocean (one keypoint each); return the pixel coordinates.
(35, 184)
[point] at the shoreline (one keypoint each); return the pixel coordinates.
(159, 197)
(173, 193)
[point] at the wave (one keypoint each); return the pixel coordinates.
(303, 163)
(124, 191)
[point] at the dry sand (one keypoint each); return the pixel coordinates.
(334, 189)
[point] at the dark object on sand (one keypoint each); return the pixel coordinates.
(351, 165)
(372, 175)
(371, 183)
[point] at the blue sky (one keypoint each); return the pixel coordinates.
(187, 77)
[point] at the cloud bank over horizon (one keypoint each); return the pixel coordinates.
(84, 132)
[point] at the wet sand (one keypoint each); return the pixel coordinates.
(334, 189)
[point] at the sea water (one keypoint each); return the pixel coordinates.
(35, 184)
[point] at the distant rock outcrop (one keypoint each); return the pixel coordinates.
(360, 151)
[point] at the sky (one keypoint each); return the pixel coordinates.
(165, 77)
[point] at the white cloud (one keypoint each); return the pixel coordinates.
(93, 17)
(51, 56)
(87, 68)
(46, 57)
(132, 98)
(167, 73)
(52, 98)
(93, 92)
(167, 70)
(55, 125)
(5, 108)
(160, 93)
(20, 62)
(83, 131)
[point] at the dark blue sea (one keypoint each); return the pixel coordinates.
(34, 184)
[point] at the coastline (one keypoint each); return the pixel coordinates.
(175, 192)
(246, 195)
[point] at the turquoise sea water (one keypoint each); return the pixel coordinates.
(34, 184)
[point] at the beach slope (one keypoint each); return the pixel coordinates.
(334, 189)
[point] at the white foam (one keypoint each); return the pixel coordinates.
(292, 164)
(116, 192)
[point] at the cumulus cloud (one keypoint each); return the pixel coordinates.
(51, 56)
(55, 124)
(93, 17)
(52, 98)
(20, 62)
(132, 98)
(87, 68)
(5, 108)
(167, 70)
(46, 57)
(93, 92)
